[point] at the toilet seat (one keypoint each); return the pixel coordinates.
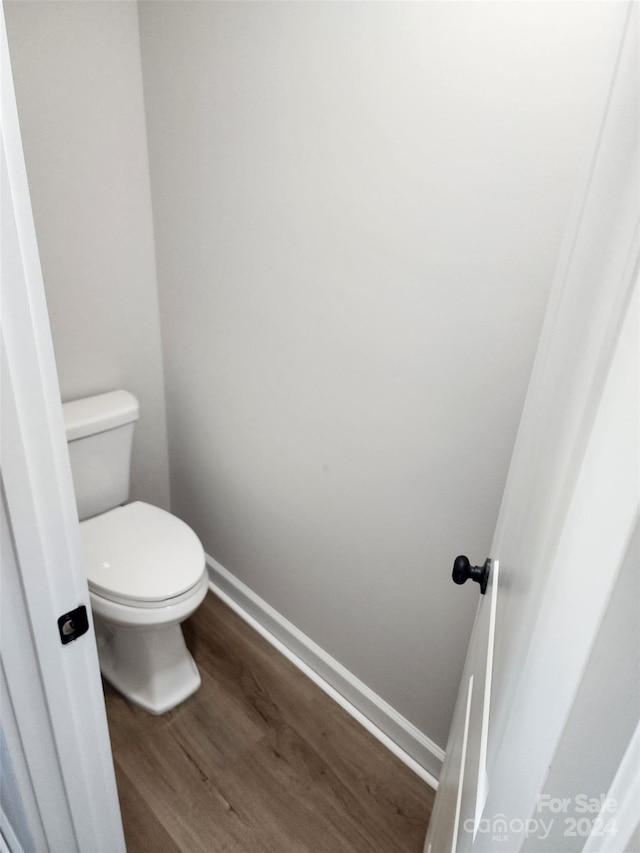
(141, 556)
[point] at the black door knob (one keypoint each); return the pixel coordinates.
(463, 570)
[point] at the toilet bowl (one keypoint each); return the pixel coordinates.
(145, 568)
(146, 575)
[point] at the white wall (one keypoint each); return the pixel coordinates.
(358, 208)
(79, 89)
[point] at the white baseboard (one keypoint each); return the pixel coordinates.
(400, 736)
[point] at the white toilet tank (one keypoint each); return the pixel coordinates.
(99, 434)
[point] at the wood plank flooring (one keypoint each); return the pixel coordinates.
(259, 760)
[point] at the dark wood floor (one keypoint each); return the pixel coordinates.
(259, 759)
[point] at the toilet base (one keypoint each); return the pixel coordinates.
(151, 666)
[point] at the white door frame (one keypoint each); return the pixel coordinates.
(39, 507)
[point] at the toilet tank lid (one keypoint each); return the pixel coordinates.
(99, 413)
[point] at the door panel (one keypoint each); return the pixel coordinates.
(582, 574)
(570, 502)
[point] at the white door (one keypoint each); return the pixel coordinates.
(566, 543)
(58, 788)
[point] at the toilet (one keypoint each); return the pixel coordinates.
(146, 568)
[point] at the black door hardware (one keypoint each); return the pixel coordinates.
(73, 624)
(463, 570)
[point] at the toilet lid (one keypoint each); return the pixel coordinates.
(139, 552)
